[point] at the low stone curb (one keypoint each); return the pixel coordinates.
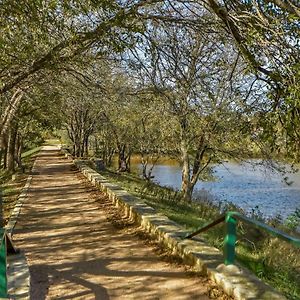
(235, 280)
(18, 275)
(17, 209)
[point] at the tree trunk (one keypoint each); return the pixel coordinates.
(128, 161)
(10, 111)
(81, 148)
(144, 162)
(124, 160)
(11, 149)
(7, 145)
(121, 159)
(1, 210)
(109, 154)
(146, 169)
(19, 149)
(86, 146)
(6, 120)
(5, 154)
(186, 187)
(3, 146)
(77, 148)
(96, 146)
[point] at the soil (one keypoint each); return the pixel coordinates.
(10, 192)
(78, 246)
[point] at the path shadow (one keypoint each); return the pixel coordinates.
(68, 240)
(73, 272)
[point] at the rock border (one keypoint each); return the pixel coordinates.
(235, 280)
(18, 206)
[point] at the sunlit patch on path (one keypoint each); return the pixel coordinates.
(74, 252)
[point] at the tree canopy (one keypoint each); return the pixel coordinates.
(199, 80)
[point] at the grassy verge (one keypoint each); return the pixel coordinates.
(52, 142)
(11, 188)
(272, 260)
(29, 153)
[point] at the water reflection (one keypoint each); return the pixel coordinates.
(240, 184)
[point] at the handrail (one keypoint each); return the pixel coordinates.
(206, 227)
(231, 219)
(6, 246)
(3, 264)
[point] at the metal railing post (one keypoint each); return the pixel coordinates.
(231, 218)
(230, 239)
(3, 262)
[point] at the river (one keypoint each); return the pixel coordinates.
(240, 184)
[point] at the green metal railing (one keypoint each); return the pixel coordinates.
(6, 246)
(3, 264)
(231, 218)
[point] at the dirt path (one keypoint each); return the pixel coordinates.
(74, 252)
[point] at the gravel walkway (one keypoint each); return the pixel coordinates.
(76, 252)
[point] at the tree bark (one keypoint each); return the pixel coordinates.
(10, 111)
(96, 146)
(7, 118)
(19, 154)
(124, 159)
(11, 149)
(4, 149)
(3, 146)
(86, 147)
(186, 188)
(1, 210)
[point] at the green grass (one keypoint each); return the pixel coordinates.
(272, 260)
(52, 142)
(11, 189)
(30, 152)
(28, 157)
(4, 176)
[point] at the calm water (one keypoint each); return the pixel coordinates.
(240, 184)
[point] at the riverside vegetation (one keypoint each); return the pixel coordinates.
(269, 258)
(200, 81)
